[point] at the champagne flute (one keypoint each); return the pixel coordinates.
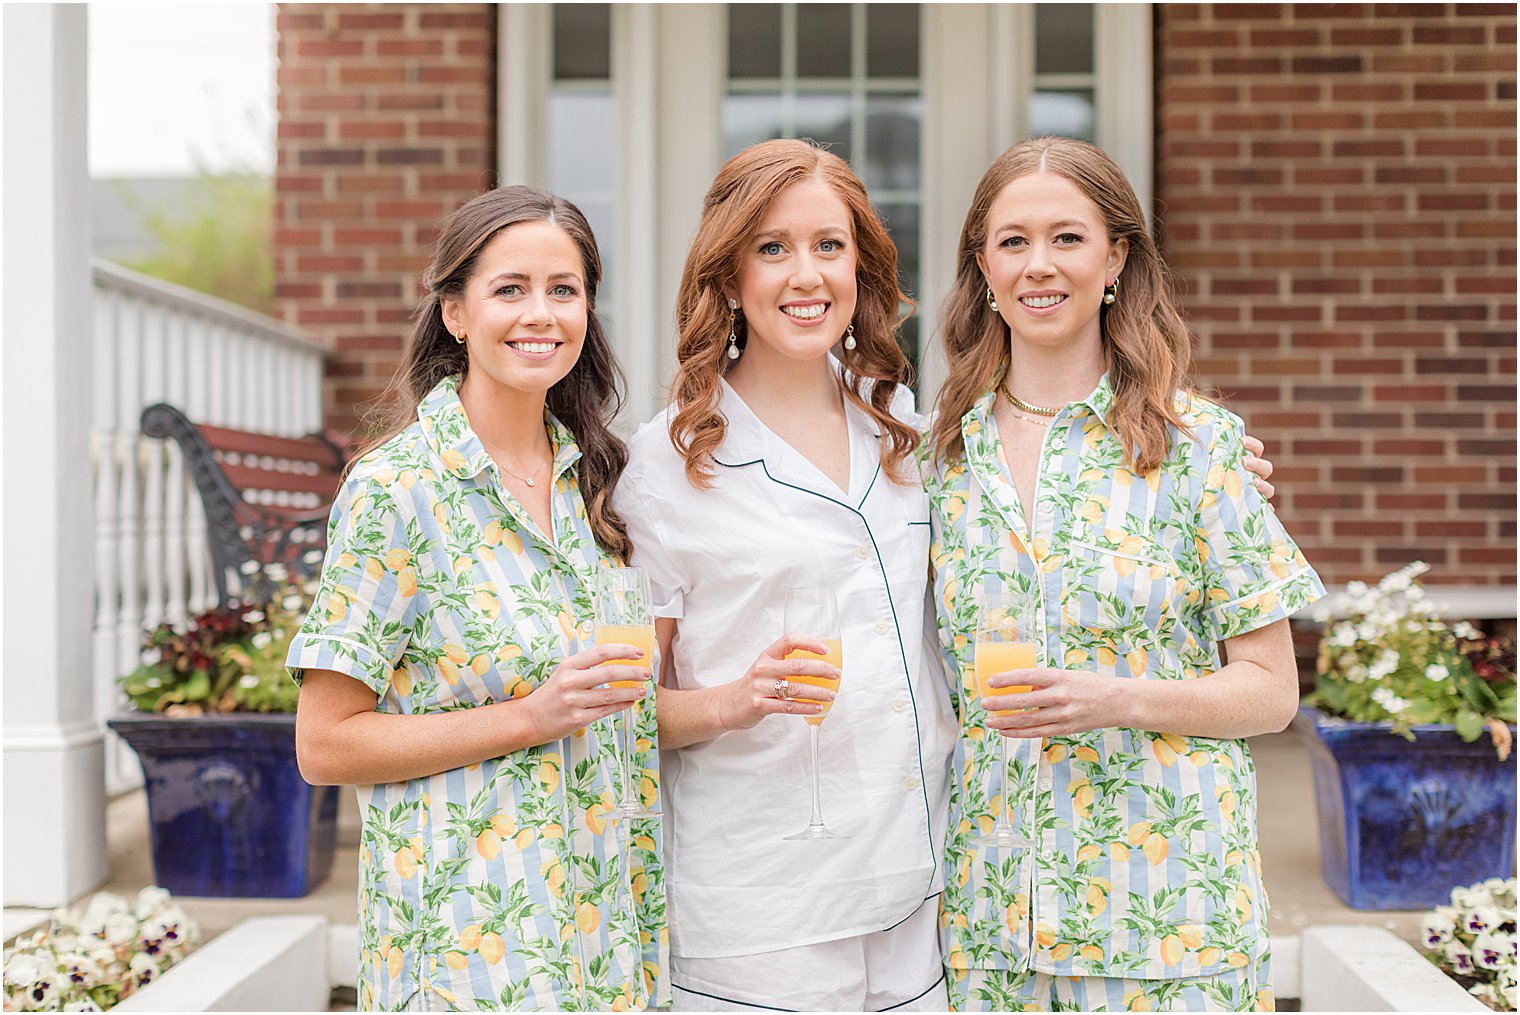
(813, 612)
(623, 618)
(1005, 640)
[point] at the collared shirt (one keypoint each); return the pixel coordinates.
(500, 883)
(721, 560)
(1145, 863)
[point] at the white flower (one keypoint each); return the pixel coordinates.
(291, 603)
(25, 968)
(1436, 929)
(1386, 663)
(1465, 631)
(120, 928)
(1459, 958)
(1391, 702)
(82, 1004)
(149, 901)
(249, 680)
(79, 969)
(1436, 672)
(1357, 674)
(1480, 919)
(262, 639)
(1491, 950)
(249, 567)
(313, 557)
(1356, 590)
(1484, 992)
(144, 967)
(276, 572)
(253, 616)
(151, 656)
(1471, 897)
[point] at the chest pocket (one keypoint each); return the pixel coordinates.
(1119, 603)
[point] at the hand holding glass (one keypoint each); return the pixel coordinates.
(813, 612)
(623, 618)
(1005, 640)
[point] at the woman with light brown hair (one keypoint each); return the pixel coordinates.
(786, 461)
(1102, 850)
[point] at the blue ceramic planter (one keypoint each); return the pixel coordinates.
(1400, 823)
(230, 813)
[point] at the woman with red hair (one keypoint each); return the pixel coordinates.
(787, 459)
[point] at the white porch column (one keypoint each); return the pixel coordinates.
(55, 843)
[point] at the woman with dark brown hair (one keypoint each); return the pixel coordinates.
(442, 667)
(786, 461)
(1102, 851)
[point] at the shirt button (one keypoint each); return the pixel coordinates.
(1046, 782)
(862, 552)
(882, 627)
(898, 704)
(910, 783)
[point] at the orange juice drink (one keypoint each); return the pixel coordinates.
(639, 636)
(999, 657)
(835, 658)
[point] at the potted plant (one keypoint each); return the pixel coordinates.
(1409, 730)
(214, 728)
(92, 956)
(1472, 940)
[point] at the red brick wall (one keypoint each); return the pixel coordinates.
(386, 124)
(1337, 187)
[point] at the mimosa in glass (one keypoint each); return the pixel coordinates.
(1005, 640)
(813, 612)
(623, 618)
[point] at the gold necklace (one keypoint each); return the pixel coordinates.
(530, 480)
(1037, 421)
(1019, 403)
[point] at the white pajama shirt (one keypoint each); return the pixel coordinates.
(720, 561)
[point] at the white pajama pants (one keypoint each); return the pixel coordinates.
(888, 970)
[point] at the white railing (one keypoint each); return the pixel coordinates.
(219, 364)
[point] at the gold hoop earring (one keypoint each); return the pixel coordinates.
(991, 300)
(733, 338)
(460, 337)
(849, 335)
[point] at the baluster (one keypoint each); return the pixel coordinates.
(151, 459)
(129, 623)
(201, 594)
(176, 609)
(107, 532)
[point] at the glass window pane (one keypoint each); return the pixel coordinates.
(823, 40)
(1063, 36)
(582, 42)
(892, 40)
(825, 117)
(892, 129)
(754, 40)
(582, 140)
(903, 222)
(1067, 113)
(749, 117)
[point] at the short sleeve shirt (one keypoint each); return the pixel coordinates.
(1145, 862)
(500, 884)
(721, 559)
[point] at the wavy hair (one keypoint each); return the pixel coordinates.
(585, 400)
(1145, 340)
(732, 211)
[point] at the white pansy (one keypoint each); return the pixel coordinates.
(1436, 672)
(1459, 957)
(25, 968)
(1436, 929)
(149, 901)
(1490, 950)
(1481, 918)
(1471, 897)
(120, 928)
(82, 1004)
(145, 967)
